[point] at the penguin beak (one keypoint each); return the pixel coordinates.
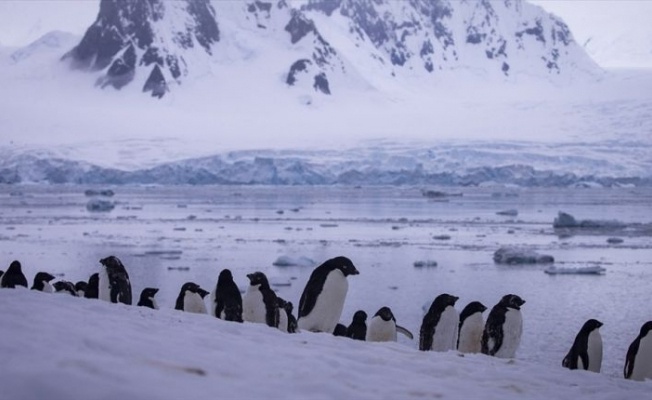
(354, 272)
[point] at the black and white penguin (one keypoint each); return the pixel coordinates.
(586, 352)
(147, 298)
(13, 276)
(440, 325)
(92, 290)
(114, 285)
(286, 321)
(65, 287)
(42, 282)
(469, 338)
(340, 330)
(322, 300)
(358, 328)
(383, 327)
(81, 287)
(502, 332)
(190, 299)
(638, 364)
(227, 301)
(259, 303)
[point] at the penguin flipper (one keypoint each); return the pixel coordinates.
(629, 361)
(311, 291)
(584, 359)
(404, 331)
(425, 337)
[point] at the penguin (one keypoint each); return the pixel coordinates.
(114, 285)
(147, 298)
(502, 332)
(358, 328)
(286, 321)
(340, 330)
(440, 325)
(65, 287)
(383, 328)
(13, 276)
(92, 290)
(81, 287)
(42, 282)
(469, 338)
(586, 352)
(227, 302)
(322, 300)
(638, 364)
(190, 299)
(259, 303)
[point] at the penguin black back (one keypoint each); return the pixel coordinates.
(318, 278)
(470, 309)
(147, 298)
(65, 286)
(431, 319)
(39, 280)
(358, 328)
(92, 290)
(269, 298)
(340, 330)
(228, 299)
(632, 351)
(495, 321)
(579, 349)
(118, 280)
(13, 276)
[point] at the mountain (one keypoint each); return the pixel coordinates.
(322, 45)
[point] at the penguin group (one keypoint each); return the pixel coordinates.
(320, 308)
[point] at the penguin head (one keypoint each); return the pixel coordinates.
(112, 262)
(591, 325)
(189, 287)
(258, 278)
(81, 285)
(343, 264)
(14, 268)
(43, 277)
(386, 314)
(340, 330)
(470, 309)
(360, 317)
(148, 293)
(646, 328)
(65, 286)
(225, 276)
(202, 292)
(512, 301)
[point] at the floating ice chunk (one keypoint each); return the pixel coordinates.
(98, 205)
(515, 255)
(287, 261)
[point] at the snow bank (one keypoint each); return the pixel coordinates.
(57, 346)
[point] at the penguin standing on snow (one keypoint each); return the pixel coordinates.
(227, 302)
(13, 276)
(114, 285)
(586, 352)
(358, 328)
(286, 321)
(81, 287)
(190, 299)
(502, 332)
(65, 287)
(469, 338)
(638, 364)
(147, 298)
(92, 289)
(42, 282)
(322, 300)
(383, 328)
(259, 303)
(440, 325)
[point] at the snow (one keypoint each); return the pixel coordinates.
(96, 350)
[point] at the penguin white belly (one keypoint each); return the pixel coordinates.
(103, 286)
(154, 303)
(380, 330)
(283, 320)
(445, 337)
(192, 302)
(47, 288)
(512, 331)
(643, 361)
(253, 307)
(594, 350)
(212, 302)
(328, 308)
(471, 334)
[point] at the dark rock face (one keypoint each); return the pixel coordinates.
(321, 83)
(125, 28)
(297, 67)
(299, 26)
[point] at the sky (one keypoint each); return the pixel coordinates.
(617, 33)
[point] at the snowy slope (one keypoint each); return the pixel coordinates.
(96, 350)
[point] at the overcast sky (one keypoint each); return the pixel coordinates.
(618, 32)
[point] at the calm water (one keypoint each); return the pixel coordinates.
(169, 235)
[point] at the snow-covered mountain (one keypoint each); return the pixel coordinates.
(319, 44)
